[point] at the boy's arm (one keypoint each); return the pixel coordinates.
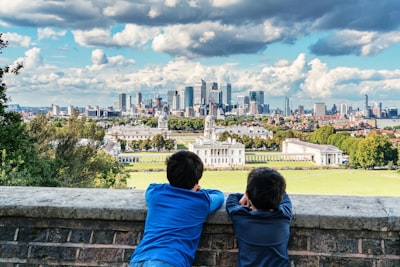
(286, 205)
(216, 199)
(232, 202)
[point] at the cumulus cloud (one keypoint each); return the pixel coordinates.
(200, 29)
(48, 33)
(274, 21)
(33, 59)
(15, 39)
(99, 57)
(355, 42)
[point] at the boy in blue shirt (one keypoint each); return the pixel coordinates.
(261, 218)
(176, 213)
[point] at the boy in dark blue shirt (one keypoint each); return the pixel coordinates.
(175, 216)
(261, 218)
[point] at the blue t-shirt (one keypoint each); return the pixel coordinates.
(262, 236)
(174, 223)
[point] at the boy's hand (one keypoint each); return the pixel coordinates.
(244, 201)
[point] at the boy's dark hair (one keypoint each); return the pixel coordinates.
(184, 169)
(265, 188)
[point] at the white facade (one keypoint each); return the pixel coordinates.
(319, 109)
(215, 153)
(140, 132)
(322, 154)
(218, 154)
(212, 131)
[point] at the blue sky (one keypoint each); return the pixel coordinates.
(87, 52)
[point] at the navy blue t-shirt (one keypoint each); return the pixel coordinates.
(262, 236)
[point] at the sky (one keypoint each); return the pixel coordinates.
(83, 53)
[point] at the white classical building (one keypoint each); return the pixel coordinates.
(215, 153)
(251, 131)
(139, 132)
(320, 154)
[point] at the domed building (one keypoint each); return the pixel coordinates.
(215, 153)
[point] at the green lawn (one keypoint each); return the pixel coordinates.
(326, 182)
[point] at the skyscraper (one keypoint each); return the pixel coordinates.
(286, 110)
(319, 109)
(122, 102)
(138, 99)
(199, 94)
(188, 97)
(170, 97)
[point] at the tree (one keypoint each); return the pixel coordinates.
(321, 135)
(247, 141)
(158, 142)
(375, 150)
(224, 136)
(169, 144)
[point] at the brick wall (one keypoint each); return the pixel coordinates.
(97, 227)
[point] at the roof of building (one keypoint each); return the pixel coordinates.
(322, 148)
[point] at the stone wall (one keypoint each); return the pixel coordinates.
(100, 227)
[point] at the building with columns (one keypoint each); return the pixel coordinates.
(320, 154)
(215, 153)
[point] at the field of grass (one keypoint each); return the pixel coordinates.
(321, 182)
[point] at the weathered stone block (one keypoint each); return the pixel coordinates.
(58, 235)
(341, 261)
(205, 258)
(52, 252)
(13, 251)
(372, 246)
(32, 234)
(127, 238)
(7, 232)
(80, 236)
(303, 261)
(101, 254)
(392, 247)
(103, 237)
(388, 263)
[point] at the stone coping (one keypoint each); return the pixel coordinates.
(310, 211)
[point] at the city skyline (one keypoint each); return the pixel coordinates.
(88, 53)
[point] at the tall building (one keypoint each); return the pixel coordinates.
(170, 97)
(138, 99)
(286, 110)
(344, 110)
(227, 94)
(55, 110)
(70, 110)
(300, 109)
(122, 102)
(200, 93)
(188, 97)
(319, 109)
(258, 97)
(157, 104)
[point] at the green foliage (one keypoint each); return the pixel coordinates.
(375, 150)
(158, 142)
(224, 136)
(185, 124)
(321, 135)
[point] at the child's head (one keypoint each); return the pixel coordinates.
(184, 169)
(265, 188)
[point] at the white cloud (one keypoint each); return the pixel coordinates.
(33, 59)
(171, 3)
(48, 33)
(225, 3)
(99, 57)
(15, 39)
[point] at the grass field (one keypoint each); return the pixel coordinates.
(322, 182)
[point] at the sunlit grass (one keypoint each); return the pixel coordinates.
(326, 182)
